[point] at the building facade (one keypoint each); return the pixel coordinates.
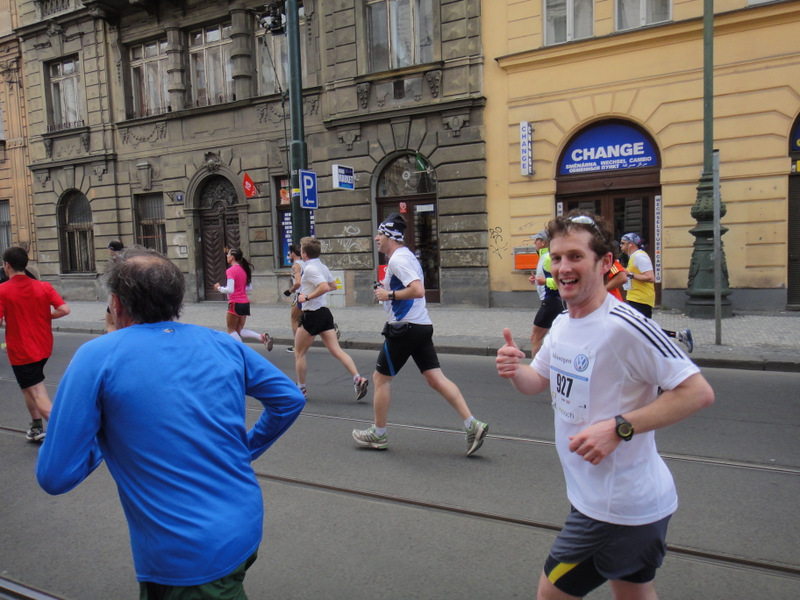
(16, 209)
(148, 121)
(599, 105)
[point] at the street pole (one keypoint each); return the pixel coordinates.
(701, 288)
(717, 255)
(298, 155)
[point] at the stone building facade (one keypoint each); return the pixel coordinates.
(146, 118)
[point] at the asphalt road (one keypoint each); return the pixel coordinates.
(423, 521)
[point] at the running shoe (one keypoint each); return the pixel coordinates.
(685, 338)
(3, 346)
(475, 436)
(290, 349)
(267, 341)
(361, 388)
(336, 329)
(369, 439)
(35, 433)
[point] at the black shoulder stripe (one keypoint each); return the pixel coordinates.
(649, 329)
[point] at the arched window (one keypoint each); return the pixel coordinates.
(76, 232)
(408, 185)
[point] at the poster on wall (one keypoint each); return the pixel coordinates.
(286, 235)
(608, 147)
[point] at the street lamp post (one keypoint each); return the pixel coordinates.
(298, 154)
(701, 284)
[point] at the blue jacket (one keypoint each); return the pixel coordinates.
(164, 405)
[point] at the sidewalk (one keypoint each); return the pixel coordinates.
(761, 341)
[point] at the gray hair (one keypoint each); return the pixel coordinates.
(149, 285)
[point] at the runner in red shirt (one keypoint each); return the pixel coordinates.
(25, 304)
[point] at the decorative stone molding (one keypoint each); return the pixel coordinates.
(434, 79)
(99, 169)
(212, 162)
(48, 147)
(455, 122)
(129, 136)
(43, 176)
(145, 175)
(85, 138)
(54, 30)
(311, 105)
(349, 137)
(363, 94)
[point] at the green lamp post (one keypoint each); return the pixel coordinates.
(701, 284)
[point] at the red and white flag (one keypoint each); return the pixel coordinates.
(250, 189)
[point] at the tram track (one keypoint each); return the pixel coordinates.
(718, 558)
(676, 456)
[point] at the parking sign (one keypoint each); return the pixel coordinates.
(308, 189)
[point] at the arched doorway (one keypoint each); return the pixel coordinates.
(219, 228)
(793, 223)
(612, 169)
(407, 185)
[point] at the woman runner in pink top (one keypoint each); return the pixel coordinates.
(239, 278)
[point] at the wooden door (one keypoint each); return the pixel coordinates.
(219, 230)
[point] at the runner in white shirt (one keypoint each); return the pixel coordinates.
(409, 334)
(605, 365)
(317, 320)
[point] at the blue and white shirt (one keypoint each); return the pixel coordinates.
(402, 270)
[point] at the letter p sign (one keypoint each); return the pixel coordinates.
(308, 189)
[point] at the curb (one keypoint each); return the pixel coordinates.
(749, 362)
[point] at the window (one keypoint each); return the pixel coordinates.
(567, 20)
(638, 13)
(76, 234)
(5, 225)
(211, 65)
(400, 33)
(273, 60)
(151, 232)
(283, 186)
(149, 78)
(53, 7)
(65, 96)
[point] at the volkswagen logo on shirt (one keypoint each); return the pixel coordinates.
(581, 363)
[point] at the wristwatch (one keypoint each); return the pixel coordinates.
(624, 428)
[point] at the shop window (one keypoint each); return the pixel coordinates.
(76, 234)
(65, 111)
(400, 33)
(567, 20)
(283, 208)
(151, 231)
(149, 88)
(211, 65)
(638, 13)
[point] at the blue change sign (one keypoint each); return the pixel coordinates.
(608, 147)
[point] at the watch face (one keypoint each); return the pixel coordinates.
(624, 429)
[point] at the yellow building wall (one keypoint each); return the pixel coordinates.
(15, 177)
(652, 77)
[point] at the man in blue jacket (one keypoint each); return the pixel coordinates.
(163, 403)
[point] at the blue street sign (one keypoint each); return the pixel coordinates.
(308, 189)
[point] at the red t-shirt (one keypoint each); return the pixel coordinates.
(615, 268)
(25, 304)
